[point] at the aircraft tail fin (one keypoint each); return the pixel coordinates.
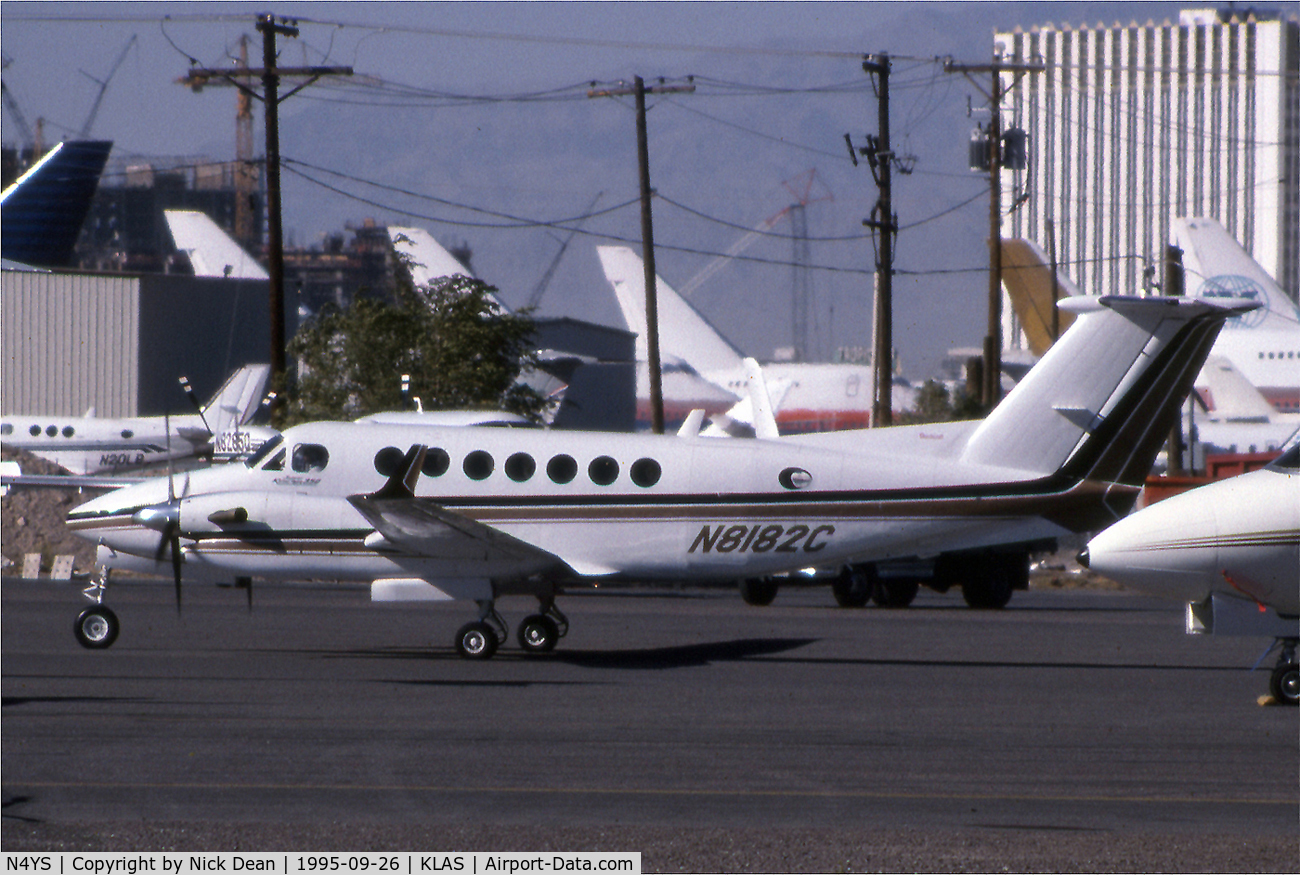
(684, 333)
(237, 399)
(45, 207)
(1217, 266)
(1027, 276)
(1103, 399)
(212, 252)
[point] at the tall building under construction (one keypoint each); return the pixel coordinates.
(1131, 126)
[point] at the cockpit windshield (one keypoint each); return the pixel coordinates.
(1290, 458)
(264, 450)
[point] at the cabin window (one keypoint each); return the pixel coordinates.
(603, 470)
(68, 431)
(34, 431)
(436, 462)
(520, 467)
(478, 465)
(388, 460)
(127, 433)
(310, 457)
(7, 428)
(645, 473)
(562, 468)
(52, 430)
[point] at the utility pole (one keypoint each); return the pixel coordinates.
(992, 382)
(881, 158)
(639, 90)
(270, 75)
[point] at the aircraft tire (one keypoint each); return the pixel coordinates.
(477, 641)
(898, 592)
(1284, 683)
(758, 591)
(96, 628)
(538, 633)
(853, 588)
(992, 579)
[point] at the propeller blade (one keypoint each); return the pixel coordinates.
(176, 569)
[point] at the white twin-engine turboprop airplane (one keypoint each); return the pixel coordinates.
(93, 445)
(478, 513)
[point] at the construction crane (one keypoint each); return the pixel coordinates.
(20, 120)
(802, 192)
(801, 188)
(84, 133)
(536, 297)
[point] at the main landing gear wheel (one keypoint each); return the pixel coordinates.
(896, 592)
(538, 633)
(852, 589)
(477, 640)
(1284, 683)
(759, 591)
(96, 627)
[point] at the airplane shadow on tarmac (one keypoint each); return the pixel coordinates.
(656, 658)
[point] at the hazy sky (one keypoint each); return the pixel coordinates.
(779, 84)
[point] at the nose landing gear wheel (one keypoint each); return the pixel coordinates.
(477, 641)
(96, 627)
(538, 634)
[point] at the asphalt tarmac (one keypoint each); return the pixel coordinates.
(1076, 730)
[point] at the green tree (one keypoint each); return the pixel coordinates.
(460, 349)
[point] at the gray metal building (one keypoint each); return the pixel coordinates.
(119, 343)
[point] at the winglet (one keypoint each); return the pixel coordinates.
(402, 482)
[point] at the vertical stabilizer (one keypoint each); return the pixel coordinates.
(237, 399)
(43, 210)
(1103, 399)
(683, 333)
(212, 252)
(1217, 266)
(1027, 276)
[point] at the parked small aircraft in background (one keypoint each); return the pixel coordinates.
(479, 513)
(806, 396)
(93, 445)
(1230, 549)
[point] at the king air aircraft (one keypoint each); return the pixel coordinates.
(480, 513)
(91, 445)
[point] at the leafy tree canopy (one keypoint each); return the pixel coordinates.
(460, 349)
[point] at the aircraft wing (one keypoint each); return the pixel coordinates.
(426, 528)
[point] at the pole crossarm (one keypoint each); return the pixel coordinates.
(244, 78)
(200, 77)
(630, 90)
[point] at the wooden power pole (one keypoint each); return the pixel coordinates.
(992, 375)
(639, 90)
(270, 74)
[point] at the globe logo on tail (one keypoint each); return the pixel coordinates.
(1235, 286)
